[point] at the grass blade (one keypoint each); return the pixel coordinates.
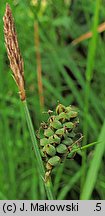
(89, 75)
(70, 184)
(37, 152)
(94, 167)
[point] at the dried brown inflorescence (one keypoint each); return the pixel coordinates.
(16, 61)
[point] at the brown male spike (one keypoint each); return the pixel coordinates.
(16, 61)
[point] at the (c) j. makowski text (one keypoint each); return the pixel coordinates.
(50, 207)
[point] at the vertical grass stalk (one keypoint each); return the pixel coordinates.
(89, 76)
(37, 152)
(39, 66)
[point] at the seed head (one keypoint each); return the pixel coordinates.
(58, 138)
(16, 61)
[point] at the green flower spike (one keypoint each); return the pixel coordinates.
(59, 137)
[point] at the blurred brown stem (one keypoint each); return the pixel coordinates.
(39, 67)
(88, 35)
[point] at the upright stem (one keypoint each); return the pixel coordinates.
(37, 151)
(39, 66)
(89, 76)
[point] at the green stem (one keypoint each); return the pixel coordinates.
(89, 76)
(37, 151)
(83, 147)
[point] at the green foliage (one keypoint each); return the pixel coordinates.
(64, 80)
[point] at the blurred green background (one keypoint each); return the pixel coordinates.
(71, 74)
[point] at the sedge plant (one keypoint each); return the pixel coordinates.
(17, 67)
(58, 140)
